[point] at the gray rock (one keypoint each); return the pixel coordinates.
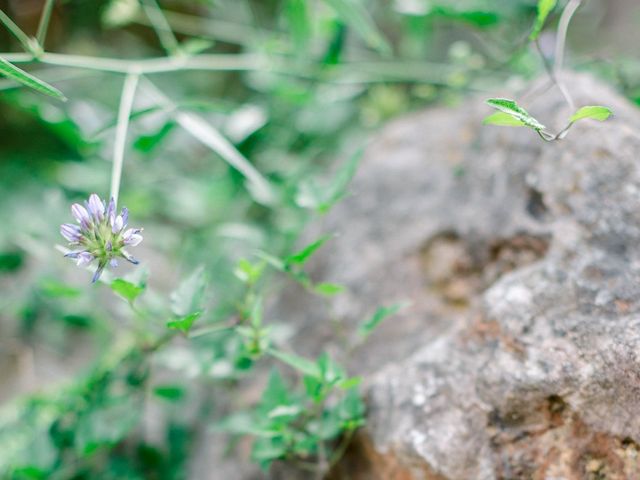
(519, 357)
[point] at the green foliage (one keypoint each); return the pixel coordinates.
(545, 7)
(511, 108)
(127, 290)
(355, 14)
(595, 112)
(19, 75)
(226, 153)
(367, 327)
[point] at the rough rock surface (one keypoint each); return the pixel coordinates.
(520, 354)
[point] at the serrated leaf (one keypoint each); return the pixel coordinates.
(512, 108)
(185, 323)
(11, 71)
(305, 254)
(503, 120)
(595, 112)
(356, 16)
(544, 9)
(370, 324)
(298, 363)
(126, 290)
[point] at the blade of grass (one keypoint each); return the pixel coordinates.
(45, 18)
(27, 42)
(161, 26)
(199, 128)
(357, 17)
(9, 70)
(124, 113)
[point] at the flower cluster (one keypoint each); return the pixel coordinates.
(100, 235)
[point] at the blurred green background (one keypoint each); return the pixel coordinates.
(305, 84)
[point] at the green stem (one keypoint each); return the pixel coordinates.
(563, 28)
(205, 62)
(23, 38)
(124, 112)
(161, 26)
(45, 18)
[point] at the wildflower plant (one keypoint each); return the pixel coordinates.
(510, 114)
(100, 234)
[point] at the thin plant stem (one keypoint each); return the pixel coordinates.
(204, 62)
(554, 78)
(161, 26)
(23, 38)
(45, 18)
(124, 112)
(563, 28)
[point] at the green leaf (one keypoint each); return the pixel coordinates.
(298, 19)
(185, 323)
(9, 70)
(512, 108)
(595, 112)
(328, 289)
(303, 365)
(248, 272)
(354, 14)
(544, 9)
(189, 296)
(147, 143)
(503, 120)
(310, 195)
(171, 393)
(53, 288)
(305, 254)
(126, 290)
(369, 325)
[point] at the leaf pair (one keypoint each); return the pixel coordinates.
(510, 114)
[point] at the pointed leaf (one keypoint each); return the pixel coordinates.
(369, 325)
(305, 254)
(185, 323)
(512, 108)
(544, 9)
(126, 290)
(503, 120)
(595, 112)
(356, 16)
(9, 70)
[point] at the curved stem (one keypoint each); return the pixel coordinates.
(563, 28)
(124, 112)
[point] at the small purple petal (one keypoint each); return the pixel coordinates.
(96, 207)
(84, 258)
(72, 254)
(113, 263)
(125, 216)
(99, 270)
(109, 246)
(71, 232)
(81, 215)
(116, 224)
(128, 257)
(132, 237)
(111, 209)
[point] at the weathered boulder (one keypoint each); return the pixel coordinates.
(520, 354)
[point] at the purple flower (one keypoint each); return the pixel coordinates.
(71, 232)
(101, 234)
